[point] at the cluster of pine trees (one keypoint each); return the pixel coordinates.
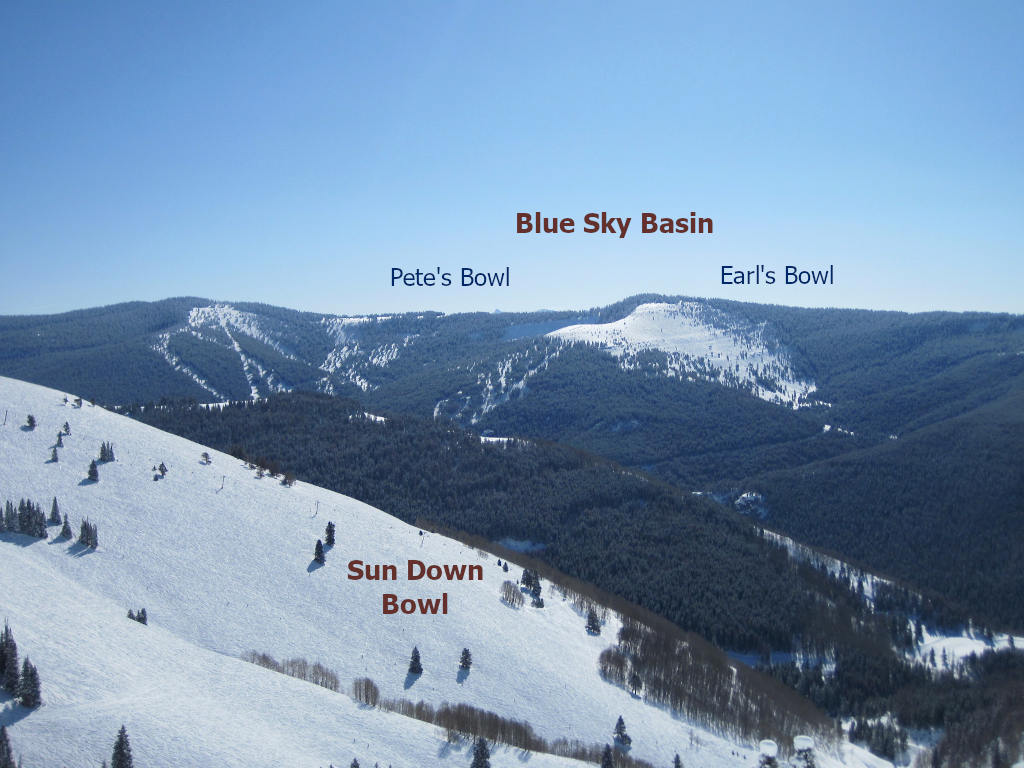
(530, 581)
(88, 535)
(28, 519)
(106, 452)
(883, 738)
(22, 683)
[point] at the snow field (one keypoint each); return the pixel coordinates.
(224, 570)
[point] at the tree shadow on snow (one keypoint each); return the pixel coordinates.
(21, 539)
(447, 748)
(460, 678)
(410, 679)
(79, 550)
(12, 712)
(87, 481)
(313, 566)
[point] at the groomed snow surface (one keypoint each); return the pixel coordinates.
(222, 563)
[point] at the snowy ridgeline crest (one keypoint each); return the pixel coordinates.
(699, 343)
(275, 352)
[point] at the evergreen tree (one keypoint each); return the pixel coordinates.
(60, 440)
(67, 429)
(10, 518)
(162, 469)
(593, 622)
(607, 761)
(677, 763)
(28, 687)
(467, 659)
(30, 422)
(481, 755)
(141, 616)
(53, 455)
(94, 473)
(54, 513)
(122, 756)
(354, 763)
(329, 534)
(318, 553)
(415, 668)
(9, 652)
(6, 755)
(65, 530)
(621, 737)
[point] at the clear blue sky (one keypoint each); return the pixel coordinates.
(293, 155)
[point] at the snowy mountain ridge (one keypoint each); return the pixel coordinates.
(699, 343)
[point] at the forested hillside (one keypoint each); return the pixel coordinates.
(682, 556)
(940, 507)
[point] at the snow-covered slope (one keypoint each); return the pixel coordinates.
(222, 562)
(700, 343)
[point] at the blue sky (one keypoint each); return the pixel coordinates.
(256, 151)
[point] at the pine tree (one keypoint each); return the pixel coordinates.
(6, 755)
(67, 429)
(54, 513)
(593, 622)
(329, 534)
(10, 518)
(354, 763)
(9, 651)
(53, 456)
(481, 755)
(415, 668)
(28, 686)
(60, 439)
(467, 659)
(141, 616)
(30, 422)
(607, 761)
(65, 530)
(318, 553)
(162, 469)
(94, 473)
(621, 737)
(122, 756)
(677, 763)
